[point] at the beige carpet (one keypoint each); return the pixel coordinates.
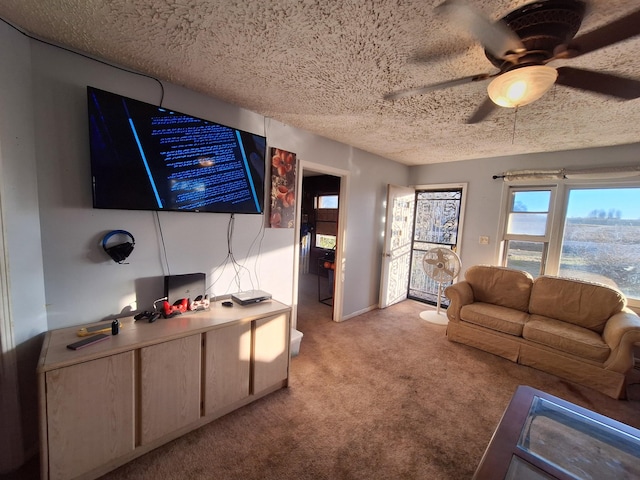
(381, 396)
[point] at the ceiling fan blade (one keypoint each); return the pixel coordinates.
(614, 32)
(441, 51)
(604, 83)
(435, 86)
(496, 37)
(483, 111)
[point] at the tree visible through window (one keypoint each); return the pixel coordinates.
(601, 239)
(597, 234)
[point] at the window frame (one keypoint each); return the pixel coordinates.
(556, 220)
(317, 201)
(545, 239)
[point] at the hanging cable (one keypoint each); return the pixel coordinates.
(19, 30)
(515, 119)
(238, 268)
(258, 238)
(164, 247)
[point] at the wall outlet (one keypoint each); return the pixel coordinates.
(484, 240)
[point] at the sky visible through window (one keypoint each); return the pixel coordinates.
(626, 201)
(583, 202)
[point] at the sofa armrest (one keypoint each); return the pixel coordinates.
(621, 332)
(459, 295)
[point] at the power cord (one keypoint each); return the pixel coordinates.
(19, 30)
(258, 238)
(237, 267)
(164, 247)
(230, 259)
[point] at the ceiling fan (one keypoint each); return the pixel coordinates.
(522, 43)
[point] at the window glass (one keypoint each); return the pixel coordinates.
(527, 224)
(530, 201)
(528, 212)
(325, 241)
(601, 240)
(328, 201)
(525, 256)
(596, 233)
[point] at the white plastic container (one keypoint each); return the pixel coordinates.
(296, 339)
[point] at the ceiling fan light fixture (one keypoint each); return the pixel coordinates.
(522, 85)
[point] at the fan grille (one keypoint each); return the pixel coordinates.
(441, 264)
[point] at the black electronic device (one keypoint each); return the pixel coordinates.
(227, 304)
(147, 315)
(145, 157)
(118, 251)
(188, 285)
(85, 342)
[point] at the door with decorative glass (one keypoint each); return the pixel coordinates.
(397, 249)
(437, 224)
(418, 219)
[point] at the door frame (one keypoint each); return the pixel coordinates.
(442, 186)
(340, 259)
(463, 199)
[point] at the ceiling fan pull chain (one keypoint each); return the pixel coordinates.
(515, 120)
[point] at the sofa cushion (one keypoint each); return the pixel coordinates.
(500, 286)
(585, 304)
(566, 337)
(495, 317)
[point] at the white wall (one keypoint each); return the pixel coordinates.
(83, 284)
(367, 190)
(484, 195)
(19, 187)
(23, 253)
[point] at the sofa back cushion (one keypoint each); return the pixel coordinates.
(585, 304)
(500, 286)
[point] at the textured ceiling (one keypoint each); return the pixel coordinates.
(324, 66)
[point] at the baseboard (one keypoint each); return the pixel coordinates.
(359, 312)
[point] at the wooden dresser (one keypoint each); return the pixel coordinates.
(110, 402)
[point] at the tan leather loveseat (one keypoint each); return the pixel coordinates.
(577, 330)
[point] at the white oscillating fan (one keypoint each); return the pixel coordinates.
(442, 265)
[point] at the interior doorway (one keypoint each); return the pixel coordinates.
(320, 233)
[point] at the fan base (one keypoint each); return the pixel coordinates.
(542, 26)
(433, 316)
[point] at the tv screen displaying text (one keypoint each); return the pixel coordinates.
(145, 157)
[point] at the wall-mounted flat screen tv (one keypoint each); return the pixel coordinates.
(145, 157)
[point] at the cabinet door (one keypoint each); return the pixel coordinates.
(270, 352)
(90, 414)
(169, 387)
(227, 366)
